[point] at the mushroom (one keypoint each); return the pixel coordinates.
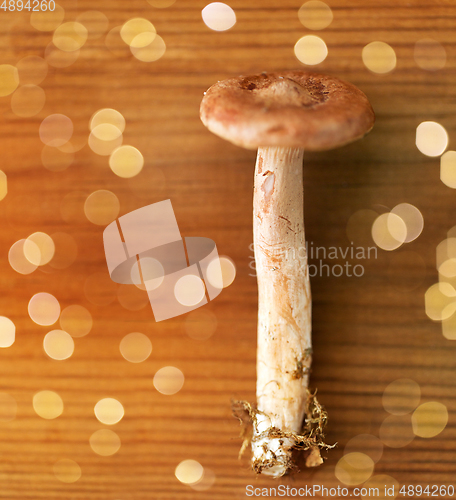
(281, 115)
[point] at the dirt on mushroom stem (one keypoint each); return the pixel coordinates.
(284, 311)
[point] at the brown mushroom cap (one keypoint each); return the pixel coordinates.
(295, 109)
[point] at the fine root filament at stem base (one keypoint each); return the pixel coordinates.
(273, 447)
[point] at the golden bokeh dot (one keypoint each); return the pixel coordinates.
(44, 309)
(387, 487)
(60, 58)
(151, 52)
(55, 160)
(9, 79)
(189, 472)
(448, 169)
(315, 15)
(354, 468)
(109, 411)
(138, 32)
(311, 50)
(47, 20)
(412, 218)
(67, 471)
(105, 442)
(396, 431)
(161, 4)
(389, 231)
(45, 245)
(76, 320)
(132, 298)
(189, 290)
(401, 396)
(218, 16)
(169, 380)
(126, 161)
(379, 57)
(99, 289)
(32, 70)
(56, 130)
(429, 54)
(70, 36)
(48, 404)
(8, 407)
(440, 301)
(102, 207)
(107, 116)
(104, 139)
(28, 100)
(18, 260)
(58, 345)
(135, 347)
(429, 419)
(200, 324)
(206, 482)
(228, 268)
(449, 327)
(3, 185)
(95, 22)
(7, 332)
(366, 443)
(66, 250)
(431, 138)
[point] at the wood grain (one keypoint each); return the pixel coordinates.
(368, 332)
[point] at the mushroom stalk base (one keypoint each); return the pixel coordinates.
(284, 310)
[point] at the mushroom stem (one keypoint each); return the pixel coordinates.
(284, 315)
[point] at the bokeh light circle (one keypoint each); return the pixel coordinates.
(109, 411)
(47, 404)
(67, 471)
(218, 16)
(7, 332)
(126, 161)
(102, 207)
(431, 138)
(56, 130)
(169, 380)
(379, 57)
(189, 472)
(429, 419)
(44, 309)
(58, 345)
(189, 290)
(135, 347)
(315, 15)
(105, 442)
(9, 79)
(311, 50)
(76, 320)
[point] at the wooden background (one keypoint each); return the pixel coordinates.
(368, 332)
